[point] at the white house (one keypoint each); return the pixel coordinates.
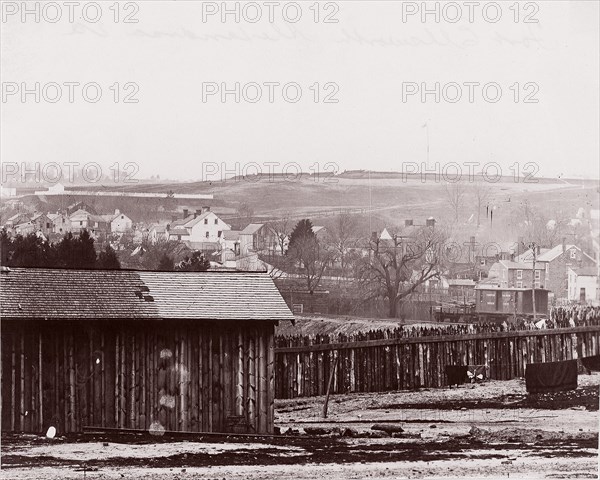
(206, 227)
(158, 232)
(80, 220)
(583, 285)
(118, 222)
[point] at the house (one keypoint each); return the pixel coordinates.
(60, 223)
(24, 228)
(206, 227)
(42, 223)
(509, 274)
(556, 262)
(158, 233)
(257, 237)
(203, 229)
(94, 224)
(156, 351)
(230, 244)
(583, 285)
(178, 234)
(118, 222)
(17, 219)
(80, 206)
(80, 220)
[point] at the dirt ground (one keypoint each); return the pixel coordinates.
(488, 430)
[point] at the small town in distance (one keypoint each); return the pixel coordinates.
(292, 316)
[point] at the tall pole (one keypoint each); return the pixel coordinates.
(533, 247)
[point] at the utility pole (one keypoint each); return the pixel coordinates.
(533, 247)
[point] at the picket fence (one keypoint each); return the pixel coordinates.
(387, 360)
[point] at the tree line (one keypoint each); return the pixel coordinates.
(71, 251)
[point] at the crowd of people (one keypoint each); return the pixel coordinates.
(558, 317)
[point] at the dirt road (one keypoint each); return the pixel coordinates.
(489, 430)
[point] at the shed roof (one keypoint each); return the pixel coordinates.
(122, 294)
(252, 228)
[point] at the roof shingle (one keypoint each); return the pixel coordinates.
(122, 294)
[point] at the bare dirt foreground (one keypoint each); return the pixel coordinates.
(488, 430)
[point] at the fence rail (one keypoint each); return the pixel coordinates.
(382, 361)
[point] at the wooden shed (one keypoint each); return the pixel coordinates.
(177, 351)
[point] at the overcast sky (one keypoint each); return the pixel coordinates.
(367, 59)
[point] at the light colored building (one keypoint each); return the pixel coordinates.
(158, 233)
(118, 222)
(201, 227)
(583, 285)
(257, 237)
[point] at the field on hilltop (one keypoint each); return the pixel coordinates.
(377, 200)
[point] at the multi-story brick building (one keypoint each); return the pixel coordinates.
(508, 274)
(556, 263)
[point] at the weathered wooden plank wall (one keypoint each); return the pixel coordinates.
(195, 376)
(382, 360)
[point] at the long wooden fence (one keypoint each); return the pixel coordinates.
(384, 360)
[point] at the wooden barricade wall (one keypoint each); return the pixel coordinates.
(378, 362)
(179, 376)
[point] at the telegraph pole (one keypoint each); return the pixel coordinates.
(533, 247)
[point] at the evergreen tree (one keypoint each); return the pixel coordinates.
(108, 259)
(166, 264)
(300, 234)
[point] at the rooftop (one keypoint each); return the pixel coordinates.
(27, 293)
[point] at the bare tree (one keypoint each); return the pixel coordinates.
(342, 237)
(455, 193)
(397, 268)
(281, 230)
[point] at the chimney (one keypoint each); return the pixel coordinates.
(512, 257)
(185, 212)
(539, 249)
(198, 212)
(117, 211)
(430, 222)
(205, 209)
(408, 223)
(564, 244)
